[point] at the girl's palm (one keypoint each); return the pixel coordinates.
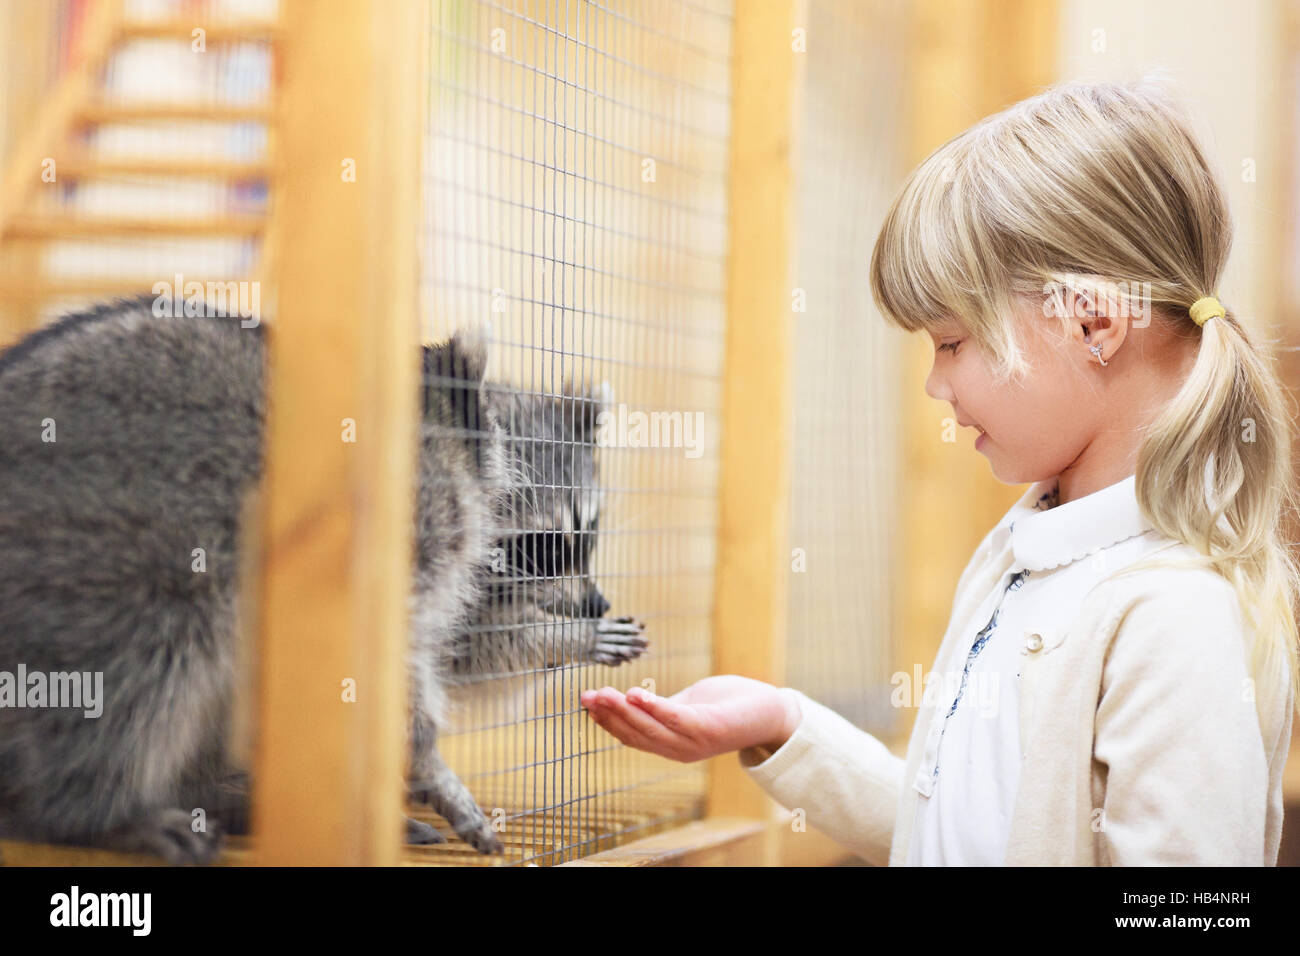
(713, 716)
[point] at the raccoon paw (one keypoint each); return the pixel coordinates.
(418, 832)
(618, 640)
(480, 835)
(170, 835)
(460, 810)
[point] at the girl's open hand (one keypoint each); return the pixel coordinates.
(713, 716)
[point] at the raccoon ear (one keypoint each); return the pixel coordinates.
(591, 402)
(456, 369)
(468, 348)
(601, 399)
(457, 364)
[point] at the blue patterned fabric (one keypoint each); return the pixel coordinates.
(981, 639)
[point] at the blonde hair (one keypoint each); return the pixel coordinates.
(1102, 189)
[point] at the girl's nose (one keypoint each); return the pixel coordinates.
(929, 385)
(936, 386)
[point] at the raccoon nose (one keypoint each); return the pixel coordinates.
(594, 604)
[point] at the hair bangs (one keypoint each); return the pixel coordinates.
(936, 261)
(915, 266)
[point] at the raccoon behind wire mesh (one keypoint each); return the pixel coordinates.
(541, 607)
(159, 444)
(538, 605)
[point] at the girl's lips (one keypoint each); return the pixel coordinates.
(980, 441)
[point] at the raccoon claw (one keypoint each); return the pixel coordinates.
(620, 625)
(466, 819)
(418, 833)
(619, 639)
(479, 835)
(170, 835)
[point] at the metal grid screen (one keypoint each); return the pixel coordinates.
(845, 427)
(575, 200)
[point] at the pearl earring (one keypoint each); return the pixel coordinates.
(1096, 350)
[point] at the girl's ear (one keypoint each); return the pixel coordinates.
(1081, 304)
(1099, 298)
(1087, 306)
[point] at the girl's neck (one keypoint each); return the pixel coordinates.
(1087, 475)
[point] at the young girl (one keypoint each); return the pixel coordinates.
(1117, 682)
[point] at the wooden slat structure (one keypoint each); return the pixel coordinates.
(35, 227)
(752, 572)
(23, 165)
(337, 533)
(76, 106)
(335, 526)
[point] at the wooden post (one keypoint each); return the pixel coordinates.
(338, 513)
(749, 617)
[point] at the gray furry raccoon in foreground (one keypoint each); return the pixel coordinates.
(128, 441)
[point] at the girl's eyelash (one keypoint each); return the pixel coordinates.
(949, 345)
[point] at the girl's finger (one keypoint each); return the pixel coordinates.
(604, 715)
(682, 721)
(635, 728)
(665, 741)
(601, 707)
(591, 698)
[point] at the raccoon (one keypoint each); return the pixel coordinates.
(540, 607)
(127, 442)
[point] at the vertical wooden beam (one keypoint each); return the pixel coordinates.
(1021, 50)
(749, 616)
(337, 526)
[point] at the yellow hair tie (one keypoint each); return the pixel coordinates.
(1207, 308)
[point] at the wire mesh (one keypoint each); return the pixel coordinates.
(845, 421)
(576, 215)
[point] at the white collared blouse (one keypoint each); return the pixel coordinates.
(963, 814)
(1130, 742)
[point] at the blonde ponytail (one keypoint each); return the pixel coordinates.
(1214, 471)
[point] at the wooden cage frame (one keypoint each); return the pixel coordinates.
(350, 90)
(371, 90)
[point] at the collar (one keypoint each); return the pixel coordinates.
(1046, 535)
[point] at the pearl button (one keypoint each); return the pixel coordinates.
(1033, 642)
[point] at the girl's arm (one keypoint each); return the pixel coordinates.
(844, 779)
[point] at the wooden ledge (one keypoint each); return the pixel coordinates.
(723, 841)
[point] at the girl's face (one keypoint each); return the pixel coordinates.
(1041, 426)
